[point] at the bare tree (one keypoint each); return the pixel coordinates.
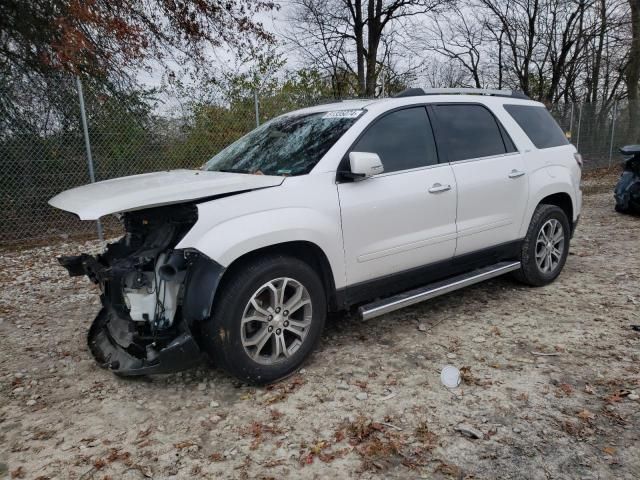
(553, 50)
(359, 27)
(318, 32)
(460, 37)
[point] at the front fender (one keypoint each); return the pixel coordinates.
(237, 236)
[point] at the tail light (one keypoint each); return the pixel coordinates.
(578, 158)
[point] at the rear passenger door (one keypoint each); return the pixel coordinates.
(490, 174)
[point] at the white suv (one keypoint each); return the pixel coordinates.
(377, 204)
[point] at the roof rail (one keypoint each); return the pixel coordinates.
(416, 92)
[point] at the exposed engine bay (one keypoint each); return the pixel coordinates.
(143, 326)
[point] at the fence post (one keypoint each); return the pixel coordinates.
(579, 123)
(613, 129)
(87, 145)
(573, 104)
(255, 101)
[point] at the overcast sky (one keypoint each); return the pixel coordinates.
(273, 21)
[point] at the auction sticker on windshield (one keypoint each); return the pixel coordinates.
(343, 114)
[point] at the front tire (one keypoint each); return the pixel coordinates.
(545, 247)
(267, 319)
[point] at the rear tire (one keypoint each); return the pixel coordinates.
(545, 247)
(251, 334)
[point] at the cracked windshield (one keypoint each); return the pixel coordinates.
(287, 145)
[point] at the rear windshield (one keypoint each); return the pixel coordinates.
(538, 124)
(287, 145)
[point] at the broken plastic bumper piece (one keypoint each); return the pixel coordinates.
(116, 345)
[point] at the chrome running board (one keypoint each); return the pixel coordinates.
(417, 295)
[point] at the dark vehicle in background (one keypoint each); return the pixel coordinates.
(627, 191)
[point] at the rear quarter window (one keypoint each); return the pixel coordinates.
(538, 124)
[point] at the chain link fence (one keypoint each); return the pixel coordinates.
(131, 137)
(597, 131)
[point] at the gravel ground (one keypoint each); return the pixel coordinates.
(550, 389)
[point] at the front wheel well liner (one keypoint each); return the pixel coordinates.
(306, 251)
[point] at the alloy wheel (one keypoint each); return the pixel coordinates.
(549, 246)
(276, 320)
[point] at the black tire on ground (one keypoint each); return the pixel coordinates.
(529, 272)
(221, 333)
(621, 209)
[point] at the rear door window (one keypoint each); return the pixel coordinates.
(468, 131)
(538, 124)
(403, 139)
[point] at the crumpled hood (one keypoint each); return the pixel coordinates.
(136, 192)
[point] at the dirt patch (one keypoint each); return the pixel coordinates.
(550, 387)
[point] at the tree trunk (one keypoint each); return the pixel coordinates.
(358, 30)
(632, 74)
(597, 64)
(374, 31)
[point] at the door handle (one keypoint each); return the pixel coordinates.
(515, 173)
(438, 187)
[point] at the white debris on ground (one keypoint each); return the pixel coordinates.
(368, 404)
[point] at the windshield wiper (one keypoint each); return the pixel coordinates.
(234, 170)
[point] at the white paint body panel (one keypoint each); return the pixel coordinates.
(136, 192)
(491, 205)
(303, 208)
(392, 223)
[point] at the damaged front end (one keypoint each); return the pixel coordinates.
(152, 294)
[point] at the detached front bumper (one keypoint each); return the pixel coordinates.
(116, 345)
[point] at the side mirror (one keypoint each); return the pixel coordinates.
(364, 164)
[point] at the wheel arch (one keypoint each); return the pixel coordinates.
(561, 200)
(557, 194)
(303, 250)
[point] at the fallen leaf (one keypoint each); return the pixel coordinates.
(19, 472)
(362, 385)
(448, 470)
(586, 415)
(318, 447)
(617, 396)
(185, 444)
(275, 414)
(144, 433)
(566, 389)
